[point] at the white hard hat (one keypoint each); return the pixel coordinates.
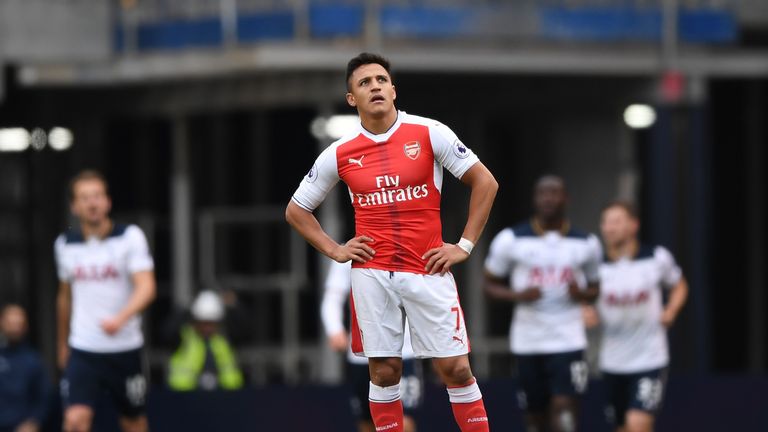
(207, 307)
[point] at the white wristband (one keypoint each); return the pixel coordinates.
(466, 245)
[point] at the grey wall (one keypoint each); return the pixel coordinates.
(45, 31)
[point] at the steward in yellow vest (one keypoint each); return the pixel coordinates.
(204, 360)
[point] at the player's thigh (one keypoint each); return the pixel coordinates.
(568, 373)
(533, 393)
(435, 317)
(412, 386)
(616, 390)
(127, 385)
(378, 321)
(647, 391)
(358, 381)
(81, 383)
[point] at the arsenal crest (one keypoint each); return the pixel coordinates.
(412, 149)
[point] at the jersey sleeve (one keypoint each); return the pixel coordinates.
(62, 269)
(320, 179)
(499, 262)
(138, 256)
(592, 265)
(337, 286)
(449, 151)
(670, 271)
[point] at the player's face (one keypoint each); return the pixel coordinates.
(371, 91)
(91, 204)
(549, 200)
(617, 226)
(13, 324)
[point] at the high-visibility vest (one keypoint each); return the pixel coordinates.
(188, 361)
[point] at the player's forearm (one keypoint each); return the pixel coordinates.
(498, 291)
(590, 294)
(308, 226)
(484, 188)
(677, 297)
(144, 291)
(63, 311)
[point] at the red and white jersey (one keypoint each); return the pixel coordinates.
(99, 272)
(394, 182)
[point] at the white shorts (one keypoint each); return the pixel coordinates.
(382, 299)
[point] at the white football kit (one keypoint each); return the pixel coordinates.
(630, 306)
(99, 273)
(549, 261)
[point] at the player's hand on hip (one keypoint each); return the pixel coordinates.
(111, 325)
(355, 249)
(440, 259)
(528, 295)
(338, 341)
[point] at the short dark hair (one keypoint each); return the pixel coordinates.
(627, 206)
(364, 59)
(88, 174)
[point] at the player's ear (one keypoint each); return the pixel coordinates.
(351, 100)
(394, 92)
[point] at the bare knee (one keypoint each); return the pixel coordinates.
(134, 424)
(454, 371)
(564, 414)
(78, 418)
(409, 424)
(385, 371)
(638, 421)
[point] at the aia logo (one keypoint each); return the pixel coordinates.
(412, 149)
(545, 276)
(628, 299)
(96, 273)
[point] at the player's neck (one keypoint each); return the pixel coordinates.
(543, 225)
(626, 249)
(100, 230)
(378, 125)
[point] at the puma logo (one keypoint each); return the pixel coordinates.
(357, 161)
(460, 340)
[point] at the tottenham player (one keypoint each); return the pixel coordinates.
(337, 289)
(548, 269)
(106, 279)
(634, 353)
(392, 164)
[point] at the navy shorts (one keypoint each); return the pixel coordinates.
(89, 376)
(411, 388)
(545, 375)
(642, 391)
